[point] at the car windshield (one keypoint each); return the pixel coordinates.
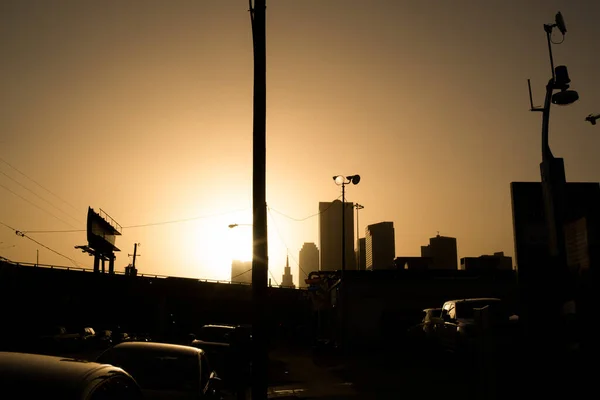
(219, 334)
(467, 309)
(158, 370)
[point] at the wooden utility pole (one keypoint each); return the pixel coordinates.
(259, 205)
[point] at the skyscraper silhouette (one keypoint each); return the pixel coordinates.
(443, 252)
(287, 280)
(380, 246)
(330, 235)
(308, 261)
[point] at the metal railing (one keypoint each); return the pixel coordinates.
(155, 276)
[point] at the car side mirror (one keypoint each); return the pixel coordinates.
(215, 385)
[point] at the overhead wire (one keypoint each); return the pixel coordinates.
(39, 184)
(35, 205)
(22, 234)
(305, 218)
(184, 219)
(37, 195)
(283, 241)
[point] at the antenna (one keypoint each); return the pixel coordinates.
(530, 95)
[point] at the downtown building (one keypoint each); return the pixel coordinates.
(241, 271)
(380, 246)
(330, 236)
(308, 261)
(287, 279)
(443, 252)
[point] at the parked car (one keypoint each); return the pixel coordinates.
(166, 371)
(232, 334)
(35, 376)
(458, 329)
(229, 350)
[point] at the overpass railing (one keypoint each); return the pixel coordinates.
(83, 269)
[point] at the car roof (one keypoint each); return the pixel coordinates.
(55, 375)
(220, 326)
(474, 299)
(158, 347)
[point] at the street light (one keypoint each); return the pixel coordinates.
(358, 207)
(553, 172)
(552, 169)
(342, 181)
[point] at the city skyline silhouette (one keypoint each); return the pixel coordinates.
(145, 112)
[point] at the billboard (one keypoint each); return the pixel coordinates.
(102, 231)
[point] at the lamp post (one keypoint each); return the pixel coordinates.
(342, 181)
(553, 185)
(358, 207)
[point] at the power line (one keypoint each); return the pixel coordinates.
(66, 231)
(39, 184)
(182, 220)
(240, 274)
(19, 233)
(305, 218)
(37, 195)
(35, 205)
(283, 241)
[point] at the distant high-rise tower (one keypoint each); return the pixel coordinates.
(241, 271)
(443, 252)
(330, 236)
(380, 246)
(287, 280)
(361, 254)
(308, 261)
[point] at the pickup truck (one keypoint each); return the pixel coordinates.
(459, 328)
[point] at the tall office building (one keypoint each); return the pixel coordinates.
(241, 271)
(330, 236)
(361, 254)
(308, 261)
(380, 243)
(443, 252)
(287, 280)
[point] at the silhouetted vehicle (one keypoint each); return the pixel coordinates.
(229, 351)
(166, 371)
(236, 335)
(35, 376)
(457, 328)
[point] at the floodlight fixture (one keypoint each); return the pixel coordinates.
(592, 118)
(565, 97)
(560, 23)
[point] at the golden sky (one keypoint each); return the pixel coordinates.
(144, 109)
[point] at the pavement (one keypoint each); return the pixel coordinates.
(301, 378)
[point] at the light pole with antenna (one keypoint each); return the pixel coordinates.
(553, 282)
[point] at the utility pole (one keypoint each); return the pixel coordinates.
(358, 207)
(259, 204)
(131, 269)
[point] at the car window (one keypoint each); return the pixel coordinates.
(159, 371)
(117, 388)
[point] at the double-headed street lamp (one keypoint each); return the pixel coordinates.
(342, 181)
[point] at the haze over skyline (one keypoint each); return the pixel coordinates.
(144, 109)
